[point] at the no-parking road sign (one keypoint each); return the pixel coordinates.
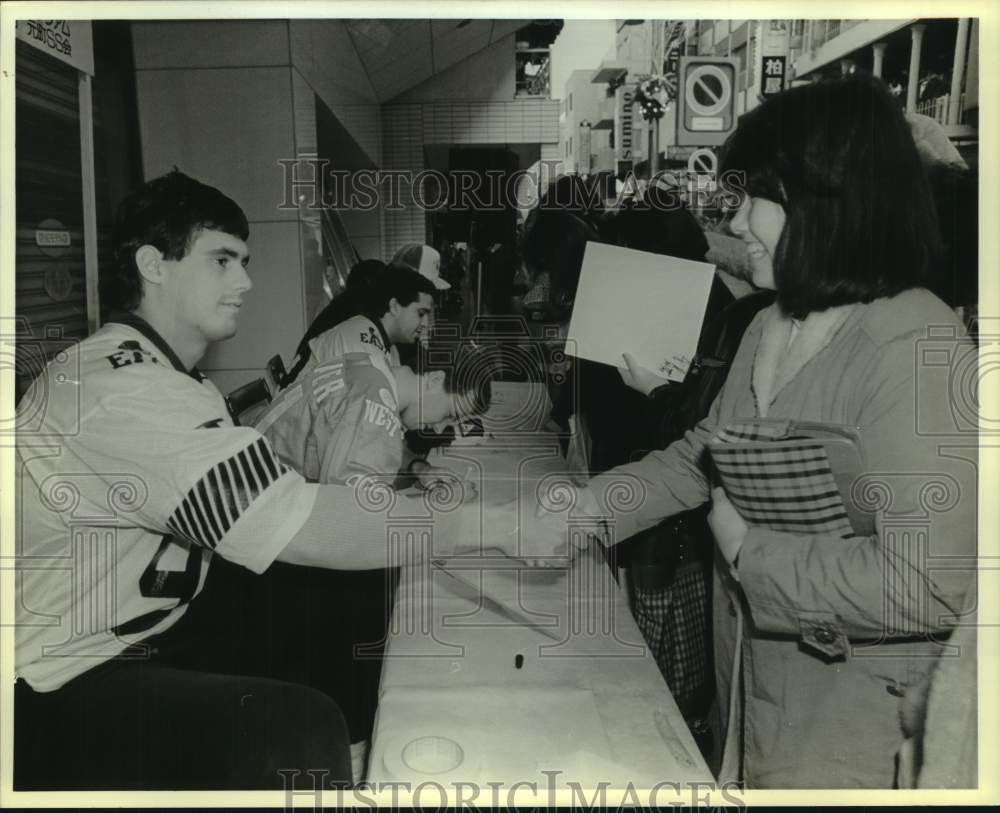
(703, 162)
(706, 106)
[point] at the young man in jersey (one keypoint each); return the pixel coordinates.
(345, 418)
(133, 673)
(398, 312)
(343, 422)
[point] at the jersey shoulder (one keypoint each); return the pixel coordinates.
(355, 376)
(121, 369)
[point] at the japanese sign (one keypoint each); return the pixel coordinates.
(623, 122)
(772, 75)
(69, 41)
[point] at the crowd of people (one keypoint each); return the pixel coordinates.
(245, 569)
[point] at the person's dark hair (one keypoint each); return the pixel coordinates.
(956, 201)
(573, 193)
(839, 157)
(468, 372)
(168, 213)
(400, 283)
(672, 231)
(364, 275)
(554, 243)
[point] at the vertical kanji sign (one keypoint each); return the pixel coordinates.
(772, 75)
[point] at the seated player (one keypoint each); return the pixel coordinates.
(398, 310)
(346, 417)
(422, 258)
(361, 284)
(136, 671)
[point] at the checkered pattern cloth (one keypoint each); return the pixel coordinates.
(784, 485)
(674, 622)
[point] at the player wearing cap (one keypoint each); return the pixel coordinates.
(424, 259)
(398, 311)
(131, 478)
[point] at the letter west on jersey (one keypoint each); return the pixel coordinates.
(381, 415)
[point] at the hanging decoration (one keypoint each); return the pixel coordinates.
(652, 96)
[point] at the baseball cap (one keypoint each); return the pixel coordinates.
(423, 259)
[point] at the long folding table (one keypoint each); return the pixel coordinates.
(495, 672)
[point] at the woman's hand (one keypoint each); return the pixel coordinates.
(727, 525)
(639, 378)
(547, 538)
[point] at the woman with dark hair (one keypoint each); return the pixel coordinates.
(818, 637)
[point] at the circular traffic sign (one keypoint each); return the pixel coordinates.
(707, 90)
(703, 162)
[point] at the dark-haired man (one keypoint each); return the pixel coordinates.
(396, 311)
(132, 675)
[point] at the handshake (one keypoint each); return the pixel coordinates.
(550, 531)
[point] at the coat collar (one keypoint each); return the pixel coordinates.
(777, 362)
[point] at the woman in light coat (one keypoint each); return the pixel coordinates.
(818, 637)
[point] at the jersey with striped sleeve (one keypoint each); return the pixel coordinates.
(339, 422)
(130, 480)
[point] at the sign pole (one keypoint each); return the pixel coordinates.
(654, 149)
(85, 95)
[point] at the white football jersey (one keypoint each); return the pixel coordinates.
(131, 477)
(359, 334)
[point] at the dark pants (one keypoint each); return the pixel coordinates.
(347, 665)
(238, 690)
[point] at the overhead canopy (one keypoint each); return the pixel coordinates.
(401, 54)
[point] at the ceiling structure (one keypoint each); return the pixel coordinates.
(400, 54)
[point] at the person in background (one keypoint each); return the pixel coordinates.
(955, 188)
(818, 638)
(939, 718)
(395, 308)
(669, 565)
(359, 290)
(343, 421)
(427, 261)
(424, 260)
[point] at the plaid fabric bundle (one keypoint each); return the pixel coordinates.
(674, 623)
(779, 475)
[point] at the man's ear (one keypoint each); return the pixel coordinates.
(394, 306)
(148, 260)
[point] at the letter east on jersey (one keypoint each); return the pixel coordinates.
(381, 415)
(372, 338)
(130, 352)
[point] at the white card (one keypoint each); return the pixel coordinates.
(649, 305)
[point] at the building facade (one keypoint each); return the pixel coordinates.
(932, 65)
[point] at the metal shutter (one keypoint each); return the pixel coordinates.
(50, 295)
